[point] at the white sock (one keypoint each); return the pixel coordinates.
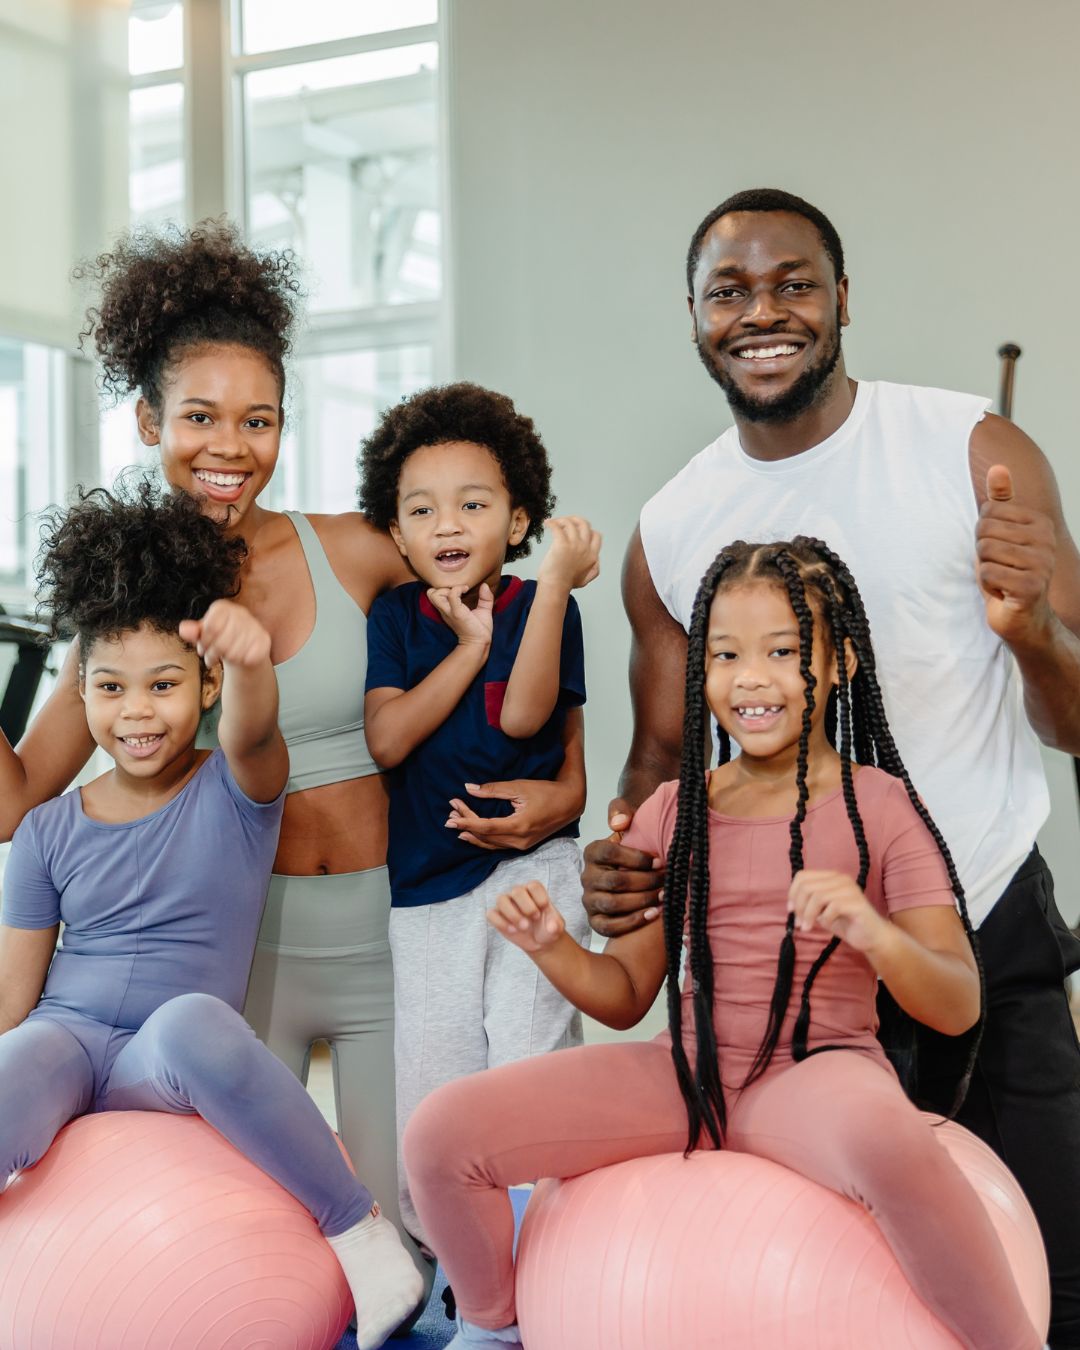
(469, 1334)
(386, 1286)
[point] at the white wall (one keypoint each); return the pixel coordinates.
(587, 141)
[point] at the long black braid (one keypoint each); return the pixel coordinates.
(801, 1031)
(688, 872)
(884, 753)
(856, 714)
(785, 966)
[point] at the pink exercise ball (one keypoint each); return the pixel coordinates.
(728, 1251)
(146, 1231)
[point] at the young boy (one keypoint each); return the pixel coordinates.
(470, 675)
(158, 870)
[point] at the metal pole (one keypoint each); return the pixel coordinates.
(1009, 354)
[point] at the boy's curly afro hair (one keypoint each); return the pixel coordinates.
(458, 412)
(166, 291)
(137, 555)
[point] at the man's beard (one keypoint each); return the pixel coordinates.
(802, 395)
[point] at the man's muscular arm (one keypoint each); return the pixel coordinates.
(621, 884)
(1029, 573)
(657, 679)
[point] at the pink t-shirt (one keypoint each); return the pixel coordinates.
(750, 874)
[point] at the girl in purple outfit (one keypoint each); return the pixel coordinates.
(158, 870)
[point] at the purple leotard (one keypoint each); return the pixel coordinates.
(141, 1005)
(164, 905)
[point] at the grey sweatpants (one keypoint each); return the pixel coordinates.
(323, 972)
(466, 999)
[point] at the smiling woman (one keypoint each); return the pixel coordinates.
(217, 429)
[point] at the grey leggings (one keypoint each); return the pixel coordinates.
(323, 972)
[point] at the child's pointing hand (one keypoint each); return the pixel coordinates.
(227, 634)
(833, 901)
(527, 918)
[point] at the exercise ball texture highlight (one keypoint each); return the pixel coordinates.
(147, 1231)
(726, 1251)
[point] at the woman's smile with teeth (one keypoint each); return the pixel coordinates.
(219, 479)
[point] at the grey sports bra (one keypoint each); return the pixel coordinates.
(321, 688)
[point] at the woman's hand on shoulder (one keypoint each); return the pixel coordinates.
(526, 917)
(834, 902)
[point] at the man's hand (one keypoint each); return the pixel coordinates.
(1016, 548)
(621, 886)
(470, 625)
(573, 556)
(228, 634)
(527, 918)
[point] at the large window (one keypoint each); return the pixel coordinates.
(329, 144)
(34, 467)
(156, 113)
(317, 126)
(338, 155)
(341, 166)
(63, 158)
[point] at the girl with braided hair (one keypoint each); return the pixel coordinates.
(798, 874)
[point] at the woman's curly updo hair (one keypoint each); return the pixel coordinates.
(114, 561)
(458, 412)
(167, 291)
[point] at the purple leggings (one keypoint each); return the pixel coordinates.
(840, 1118)
(193, 1056)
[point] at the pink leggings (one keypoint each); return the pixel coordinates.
(839, 1118)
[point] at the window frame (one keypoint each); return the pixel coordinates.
(216, 174)
(50, 422)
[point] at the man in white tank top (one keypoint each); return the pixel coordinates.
(951, 523)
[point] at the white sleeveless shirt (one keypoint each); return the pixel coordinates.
(890, 491)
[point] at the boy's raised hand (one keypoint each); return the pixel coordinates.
(470, 625)
(228, 634)
(527, 918)
(573, 556)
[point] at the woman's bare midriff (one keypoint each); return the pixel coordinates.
(337, 828)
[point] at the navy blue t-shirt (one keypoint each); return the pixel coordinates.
(406, 640)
